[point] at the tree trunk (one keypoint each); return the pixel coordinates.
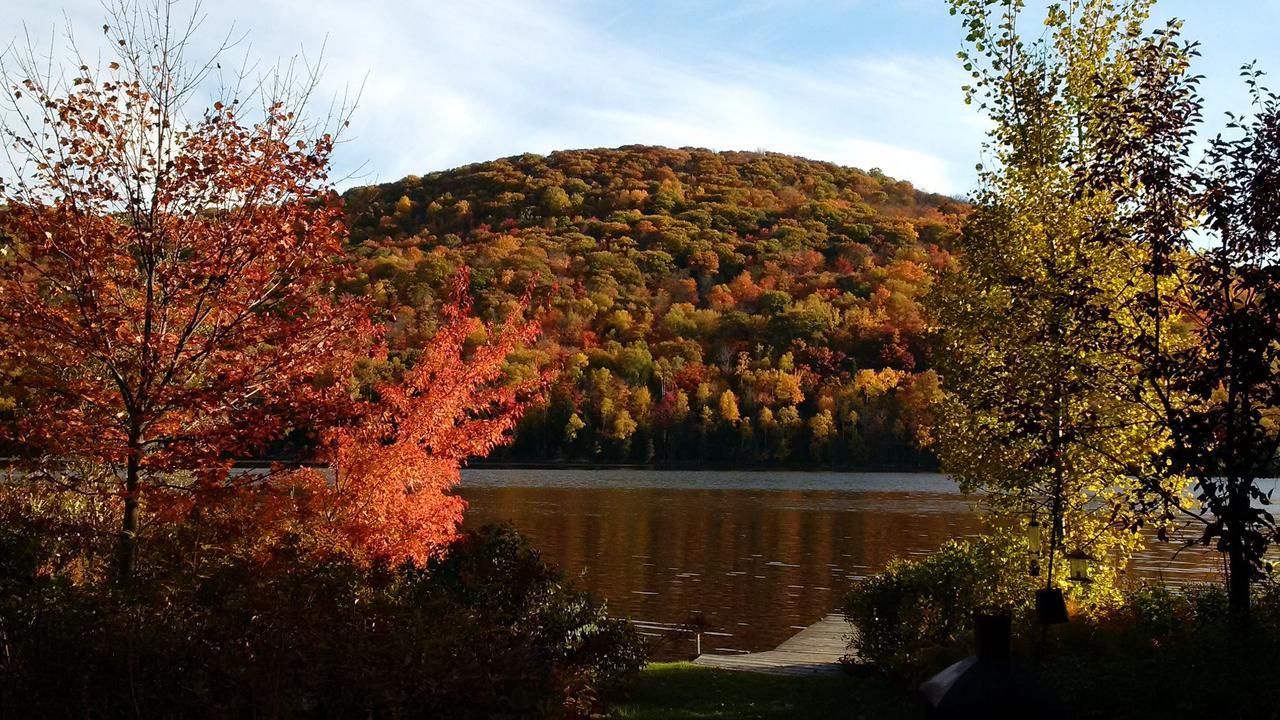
(1238, 567)
(127, 545)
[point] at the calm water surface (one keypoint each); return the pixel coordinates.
(757, 555)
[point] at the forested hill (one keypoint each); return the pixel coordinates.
(717, 308)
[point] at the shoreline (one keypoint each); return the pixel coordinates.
(696, 467)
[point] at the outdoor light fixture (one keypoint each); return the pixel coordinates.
(1079, 566)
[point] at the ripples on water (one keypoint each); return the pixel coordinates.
(757, 555)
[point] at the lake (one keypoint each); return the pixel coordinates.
(758, 555)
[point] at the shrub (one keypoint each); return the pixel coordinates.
(916, 609)
(1156, 652)
(1168, 653)
(484, 630)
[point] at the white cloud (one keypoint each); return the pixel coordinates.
(455, 82)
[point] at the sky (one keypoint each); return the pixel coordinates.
(443, 83)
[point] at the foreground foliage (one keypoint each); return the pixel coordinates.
(1113, 338)
(1112, 660)
(1169, 654)
(484, 630)
(1039, 409)
(172, 306)
(166, 273)
(1205, 226)
(916, 612)
(387, 492)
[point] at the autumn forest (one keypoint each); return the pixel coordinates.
(704, 308)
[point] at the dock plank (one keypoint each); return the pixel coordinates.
(816, 650)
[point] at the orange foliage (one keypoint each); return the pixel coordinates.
(744, 289)
(388, 496)
(168, 304)
(721, 298)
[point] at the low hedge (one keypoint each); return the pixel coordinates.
(487, 630)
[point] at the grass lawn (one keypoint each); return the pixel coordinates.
(684, 691)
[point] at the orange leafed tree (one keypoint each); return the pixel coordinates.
(387, 495)
(166, 280)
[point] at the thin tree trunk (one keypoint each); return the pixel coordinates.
(1238, 567)
(127, 546)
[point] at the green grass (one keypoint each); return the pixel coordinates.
(684, 691)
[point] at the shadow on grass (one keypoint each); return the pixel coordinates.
(684, 691)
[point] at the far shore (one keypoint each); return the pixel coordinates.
(694, 467)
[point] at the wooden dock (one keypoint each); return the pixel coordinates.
(816, 650)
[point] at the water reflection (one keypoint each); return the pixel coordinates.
(756, 564)
(757, 558)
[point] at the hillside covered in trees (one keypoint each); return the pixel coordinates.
(717, 308)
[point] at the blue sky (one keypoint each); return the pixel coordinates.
(868, 83)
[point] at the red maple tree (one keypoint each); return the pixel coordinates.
(167, 285)
(386, 493)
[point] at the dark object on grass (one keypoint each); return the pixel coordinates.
(987, 685)
(993, 638)
(1051, 607)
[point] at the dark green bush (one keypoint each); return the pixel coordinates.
(1169, 653)
(917, 611)
(1159, 653)
(486, 631)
